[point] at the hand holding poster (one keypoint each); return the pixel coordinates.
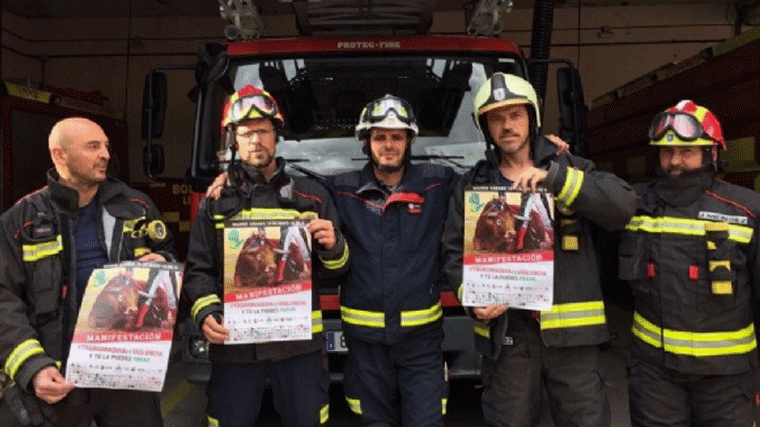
(123, 333)
(267, 281)
(508, 255)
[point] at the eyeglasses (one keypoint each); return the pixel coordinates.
(686, 126)
(380, 109)
(242, 107)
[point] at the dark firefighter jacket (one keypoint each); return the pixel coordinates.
(283, 197)
(392, 291)
(691, 255)
(38, 308)
(584, 197)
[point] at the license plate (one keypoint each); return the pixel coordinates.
(335, 342)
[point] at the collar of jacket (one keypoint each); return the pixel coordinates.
(487, 171)
(250, 178)
(67, 199)
(685, 189)
(411, 182)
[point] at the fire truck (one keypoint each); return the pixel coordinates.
(321, 82)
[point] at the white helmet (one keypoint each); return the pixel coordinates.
(388, 112)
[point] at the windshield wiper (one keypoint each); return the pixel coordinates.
(303, 170)
(440, 157)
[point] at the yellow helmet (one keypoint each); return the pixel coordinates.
(501, 90)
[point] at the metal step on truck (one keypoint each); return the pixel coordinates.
(322, 82)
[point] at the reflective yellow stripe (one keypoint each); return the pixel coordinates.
(324, 414)
(212, 422)
(337, 264)
(460, 291)
(696, 344)
(572, 186)
(481, 329)
(685, 227)
(129, 224)
(316, 322)
(413, 318)
(573, 315)
(354, 405)
(21, 354)
(37, 251)
(371, 319)
(444, 402)
(204, 302)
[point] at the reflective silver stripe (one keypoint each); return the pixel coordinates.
(204, 302)
(573, 315)
(414, 318)
(337, 264)
(684, 226)
(571, 187)
(370, 319)
(38, 251)
(21, 354)
(697, 344)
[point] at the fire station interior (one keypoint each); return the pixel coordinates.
(94, 58)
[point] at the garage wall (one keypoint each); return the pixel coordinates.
(93, 54)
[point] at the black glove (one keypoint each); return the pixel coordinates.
(29, 410)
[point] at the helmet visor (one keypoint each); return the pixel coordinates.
(379, 110)
(686, 126)
(243, 107)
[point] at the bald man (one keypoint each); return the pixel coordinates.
(50, 242)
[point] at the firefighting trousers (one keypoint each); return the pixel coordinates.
(397, 385)
(107, 408)
(299, 390)
(512, 392)
(663, 397)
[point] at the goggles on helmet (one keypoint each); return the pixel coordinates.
(380, 109)
(684, 125)
(243, 107)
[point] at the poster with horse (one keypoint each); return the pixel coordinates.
(123, 334)
(267, 280)
(508, 254)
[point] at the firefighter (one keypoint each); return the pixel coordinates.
(391, 212)
(692, 256)
(559, 347)
(50, 242)
(260, 189)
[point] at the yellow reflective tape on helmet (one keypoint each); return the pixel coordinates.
(696, 344)
(571, 187)
(370, 319)
(316, 322)
(337, 264)
(324, 414)
(38, 251)
(355, 405)
(481, 329)
(21, 354)
(204, 302)
(412, 318)
(685, 226)
(573, 315)
(212, 422)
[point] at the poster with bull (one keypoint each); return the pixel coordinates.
(267, 280)
(508, 255)
(123, 335)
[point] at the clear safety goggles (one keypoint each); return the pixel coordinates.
(379, 110)
(243, 107)
(685, 126)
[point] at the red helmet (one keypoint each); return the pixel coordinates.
(686, 123)
(251, 103)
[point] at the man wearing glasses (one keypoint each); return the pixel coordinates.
(260, 190)
(392, 212)
(692, 256)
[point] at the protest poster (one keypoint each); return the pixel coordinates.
(508, 255)
(123, 334)
(267, 280)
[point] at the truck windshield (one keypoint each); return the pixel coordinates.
(322, 97)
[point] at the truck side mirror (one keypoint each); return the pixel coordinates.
(153, 105)
(572, 108)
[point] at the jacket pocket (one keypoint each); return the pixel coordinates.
(633, 257)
